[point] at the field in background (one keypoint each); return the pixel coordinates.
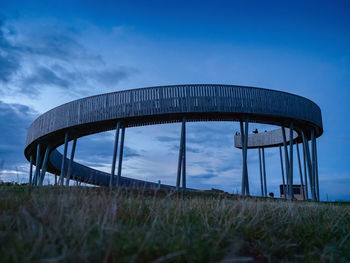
(84, 224)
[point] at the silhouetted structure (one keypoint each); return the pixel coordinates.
(168, 104)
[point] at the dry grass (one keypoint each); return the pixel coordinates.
(99, 225)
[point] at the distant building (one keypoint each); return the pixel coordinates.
(297, 191)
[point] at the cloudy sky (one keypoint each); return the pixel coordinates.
(55, 52)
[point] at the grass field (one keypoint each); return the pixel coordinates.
(78, 224)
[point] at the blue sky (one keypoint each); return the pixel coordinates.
(57, 52)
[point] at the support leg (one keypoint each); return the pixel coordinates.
(64, 159)
(115, 149)
(243, 152)
(244, 138)
(291, 193)
(37, 164)
(120, 162)
(31, 170)
(246, 157)
(71, 161)
(305, 173)
(309, 164)
(178, 178)
(301, 173)
(283, 181)
(264, 170)
(314, 163)
(184, 154)
(261, 176)
(43, 169)
(317, 182)
(286, 159)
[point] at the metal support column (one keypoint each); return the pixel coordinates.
(31, 170)
(317, 182)
(305, 172)
(290, 182)
(246, 157)
(71, 161)
(309, 164)
(43, 169)
(184, 155)
(286, 160)
(243, 150)
(181, 151)
(261, 176)
(283, 181)
(64, 159)
(115, 149)
(37, 164)
(264, 171)
(120, 162)
(301, 172)
(244, 139)
(314, 164)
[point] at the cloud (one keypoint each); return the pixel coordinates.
(167, 139)
(113, 77)
(96, 151)
(15, 119)
(8, 66)
(53, 56)
(9, 61)
(43, 76)
(130, 153)
(204, 176)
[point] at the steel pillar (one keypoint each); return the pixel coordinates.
(286, 160)
(184, 155)
(43, 168)
(261, 176)
(309, 164)
(244, 138)
(37, 164)
(318, 185)
(246, 157)
(300, 172)
(305, 173)
(120, 162)
(64, 159)
(115, 149)
(71, 161)
(290, 182)
(264, 171)
(181, 163)
(314, 164)
(31, 170)
(243, 151)
(283, 181)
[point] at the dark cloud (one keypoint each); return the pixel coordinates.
(208, 134)
(8, 66)
(175, 148)
(96, 150)
(130, 153)
(113, 77)
(43, 76)
(167, 139)
(203, 176)
(53, 58)
(15, 120)
(59, 45)
(9, 61)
